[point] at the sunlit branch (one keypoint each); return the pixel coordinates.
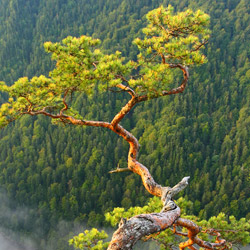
(198, 47)
(119, 170)
(193, 231)
(133, 229)
(126, 88)
(173, 91)
(64, 102)
(125, 109)
(27, 99)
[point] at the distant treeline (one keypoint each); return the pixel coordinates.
(62, 172)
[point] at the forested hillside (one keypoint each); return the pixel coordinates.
(62, 172)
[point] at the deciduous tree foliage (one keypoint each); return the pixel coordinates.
(171, 45)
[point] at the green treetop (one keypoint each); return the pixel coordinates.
(172, 43)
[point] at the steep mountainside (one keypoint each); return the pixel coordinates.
(204, 133)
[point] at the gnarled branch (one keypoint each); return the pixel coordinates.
(132, 230)
(193, 231)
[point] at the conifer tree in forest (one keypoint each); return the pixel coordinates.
(172, 43)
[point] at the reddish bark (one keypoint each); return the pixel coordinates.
(193, 231)
(130, 231)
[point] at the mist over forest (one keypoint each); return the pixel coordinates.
(19, 230)
(10, 216)
(54, 179)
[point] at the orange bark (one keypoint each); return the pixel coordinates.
(129, 232)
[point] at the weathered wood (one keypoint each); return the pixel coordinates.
(132, 230)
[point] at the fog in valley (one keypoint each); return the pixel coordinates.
(21, 229)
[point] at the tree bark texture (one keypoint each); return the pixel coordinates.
(132, 230)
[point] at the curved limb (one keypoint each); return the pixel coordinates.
(193, 231)
(136, 99)
(132, 230)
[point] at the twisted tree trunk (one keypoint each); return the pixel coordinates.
(132, 230)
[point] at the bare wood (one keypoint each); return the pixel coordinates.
(119, 170)
(178, 187)
(130, 231)
(125, 87)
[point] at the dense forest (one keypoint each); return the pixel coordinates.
(61, 173)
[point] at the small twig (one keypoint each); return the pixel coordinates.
(30, 103)
(151, 236)
(199, 46)
(118, 169)
(224, 231)
(94, 64)
(121, 77)
(126, 88)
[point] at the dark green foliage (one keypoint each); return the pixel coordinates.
(203, 133)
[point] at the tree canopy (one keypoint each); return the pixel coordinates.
(171, 45)
(170, 42)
